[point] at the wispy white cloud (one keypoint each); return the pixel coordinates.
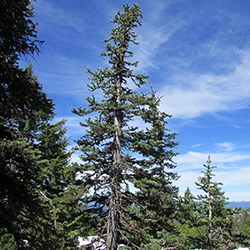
(63, 18)
(196, 145)
(234, 178)
(194, 95)
(195, 160)
(62, 74)
(152, 35)
(225, 146)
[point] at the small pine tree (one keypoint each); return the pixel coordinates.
(188, 223)
(241, 227)
(58, 187)
(212, 208)
(188, 208)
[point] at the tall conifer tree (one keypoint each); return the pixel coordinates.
(24, 107)
(125, 168)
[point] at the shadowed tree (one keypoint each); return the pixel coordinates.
(24, 107)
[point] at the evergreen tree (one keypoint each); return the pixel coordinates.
(23, 103)
(188, 221)
(212, 207)
(38, 196)
(23, 108)
(241, 227)
(125, 168)
(20, 160)
(17, 31)
(187, 208)
(58, 188)
(19, 178)
(154, 178)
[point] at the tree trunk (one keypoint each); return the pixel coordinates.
(115, 203)
(210, 225)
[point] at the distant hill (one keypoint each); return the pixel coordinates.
(242, 204)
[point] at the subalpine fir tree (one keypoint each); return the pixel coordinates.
(20, 161)
(241, 227)
(125, 168)
(23, 108)
(212, 209)
(58, 185)
(154, 179)
(188, 220)
(187, 208)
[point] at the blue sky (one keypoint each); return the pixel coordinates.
(197, 55)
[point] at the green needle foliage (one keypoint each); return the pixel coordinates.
(23, 107)
(35, 175)
(241, 227)
(19, 172)
(190, 227)
(18, 31)
(215, 216)
(127, 169)
(58, 184)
